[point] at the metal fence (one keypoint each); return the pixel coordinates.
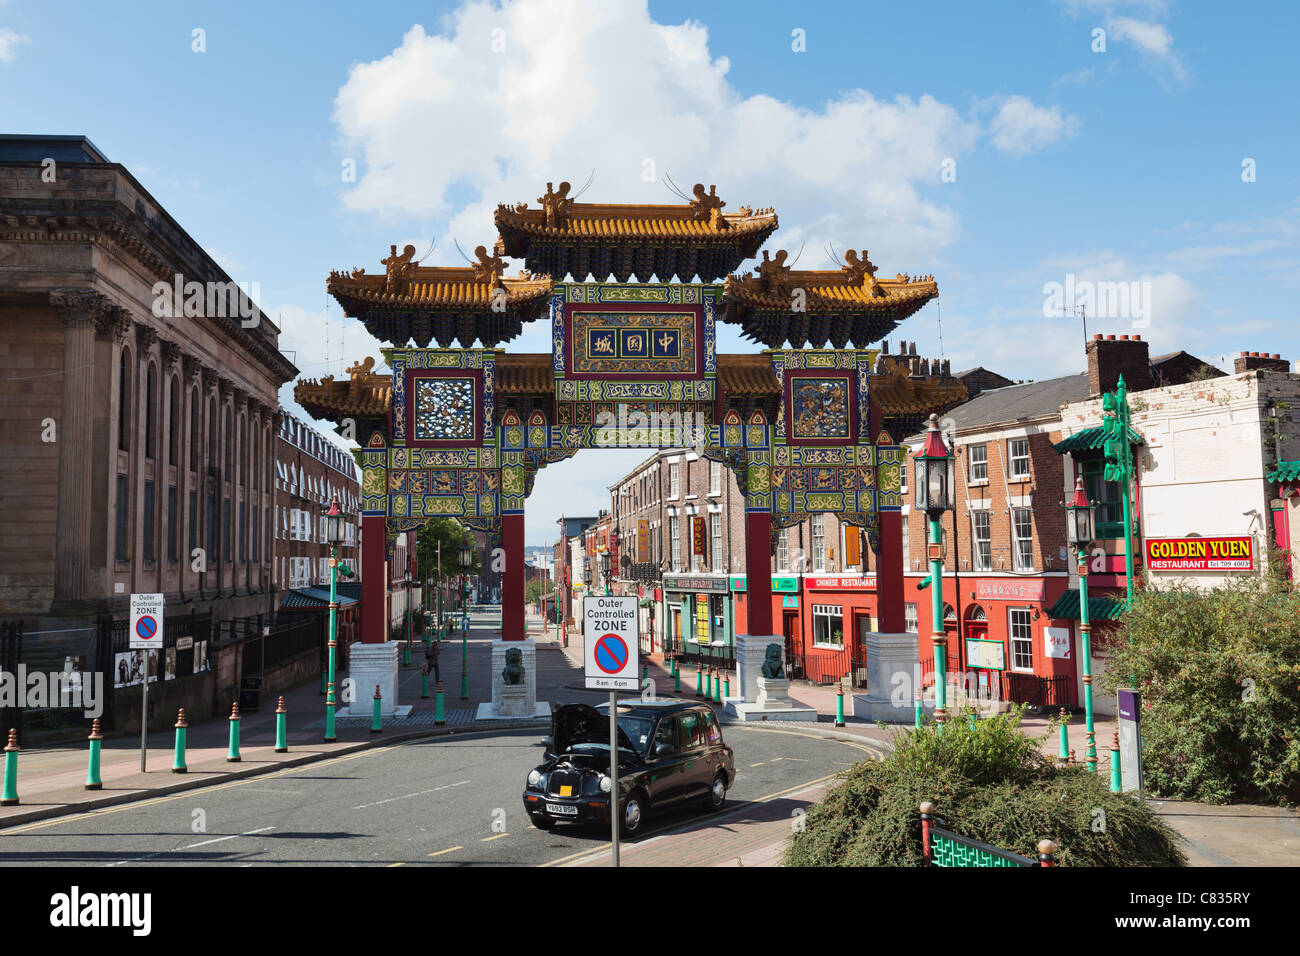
(284, 640)
(11, 653)
(1033, 690)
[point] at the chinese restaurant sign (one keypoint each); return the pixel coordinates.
(1006, 589)
(642, 540)
(700, 536)
(1201, 554)
(843, 582)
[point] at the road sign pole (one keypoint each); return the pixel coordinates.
(144, 711)
(615, 815)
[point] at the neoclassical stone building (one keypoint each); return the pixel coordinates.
(139, 427)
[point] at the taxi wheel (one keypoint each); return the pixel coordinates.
(717, 793)
(633, 814)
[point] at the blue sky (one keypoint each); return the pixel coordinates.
(1122, 165)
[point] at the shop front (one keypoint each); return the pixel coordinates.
(839, 612)
(697, 614)
(1014, 642)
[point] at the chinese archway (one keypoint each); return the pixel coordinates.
(459, 428)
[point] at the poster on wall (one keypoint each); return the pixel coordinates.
(169, 670)
(986, 655)
(200, 656)
(128, 668)
(154, 661)
(1056, 642)
(702, 618)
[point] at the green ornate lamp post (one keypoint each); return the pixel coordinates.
(1079, 532)
(1116, 425)
(334, 524)
(934, 494)
(606, 566)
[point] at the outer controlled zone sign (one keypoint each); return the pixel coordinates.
(609, 632)
(146, 621)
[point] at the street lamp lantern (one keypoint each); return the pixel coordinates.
(606, 563)
(935, 474)
(1079, 518)
(466, 557)
(334, 519)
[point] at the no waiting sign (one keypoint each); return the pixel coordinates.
(146, 621)
(609, 632)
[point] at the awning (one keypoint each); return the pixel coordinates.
(1099, 608)
(312, 599)
(1091, 439)
(1285, 471)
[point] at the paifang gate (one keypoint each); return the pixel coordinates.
(459, 428)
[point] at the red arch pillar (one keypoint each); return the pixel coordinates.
(374, 581)
(758, 572)
(512, 578)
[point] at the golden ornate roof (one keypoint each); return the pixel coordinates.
(563, 237)
(446, 305)
(366, 394)
(900, 393)
(840, 307)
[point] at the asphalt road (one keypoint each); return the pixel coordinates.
(450, 801)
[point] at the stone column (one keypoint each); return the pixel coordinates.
(80, 311)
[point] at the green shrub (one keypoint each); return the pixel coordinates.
(1219, 672)
(990, 783)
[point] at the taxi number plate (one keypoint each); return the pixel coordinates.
(562, 810)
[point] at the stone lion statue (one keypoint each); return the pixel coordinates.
(772, 667)
(514, 672)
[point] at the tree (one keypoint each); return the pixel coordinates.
(536, 588)
(1219, 672)
(453, 536)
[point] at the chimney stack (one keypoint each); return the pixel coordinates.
(1110, 357)
(1249, 361)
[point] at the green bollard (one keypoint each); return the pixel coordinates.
(920, 713)
(972, 720)
(439, 716)
(92, 775)
(376, 722)
(1116, 784)
(10, 797)
(424, 683)
(281, 728)
(178, 759)
(677, 678)
(726, 686)
(839, 706)
(406, 652)
(708, 684)
(645, 672)
(699, 682)
(717, 686)
(1064, 755)
(233, 755)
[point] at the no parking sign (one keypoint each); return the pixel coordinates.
(146, 621)
(609, 632)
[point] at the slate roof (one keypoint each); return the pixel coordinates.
(1015, 403)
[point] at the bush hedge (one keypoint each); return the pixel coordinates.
(990, 783)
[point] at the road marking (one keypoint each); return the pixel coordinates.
(391, 865)
(491, 838)
(685, 826)
(450, 849)
(406, 796)
(192, 846)
(759, 764)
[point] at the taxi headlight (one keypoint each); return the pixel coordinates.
(606, 784)
(534, 778)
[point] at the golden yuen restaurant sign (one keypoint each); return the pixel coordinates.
(1201, 554)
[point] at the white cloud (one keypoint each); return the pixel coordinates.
(1152, 39)
(584, 84)
(9, 41)
(1020, 127)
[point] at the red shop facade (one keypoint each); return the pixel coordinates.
(1007, 644)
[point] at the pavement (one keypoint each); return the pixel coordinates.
(50, 779)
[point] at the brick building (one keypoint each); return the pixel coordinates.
(139, 425)
(1008, 574)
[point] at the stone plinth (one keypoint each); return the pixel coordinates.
(751, 649)
(368, 665)
(893, 676)
(514, 700)
(773, 693)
